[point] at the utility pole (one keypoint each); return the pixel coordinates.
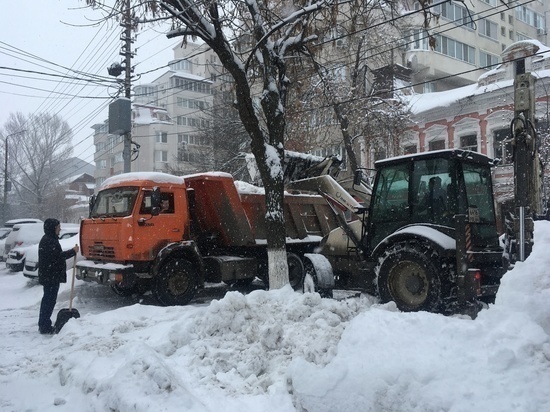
(127, 53)
(526, 161)
(120, 110)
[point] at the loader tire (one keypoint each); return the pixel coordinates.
(311, 283)
(408, 275)
(176, 283)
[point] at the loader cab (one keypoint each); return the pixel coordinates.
(430, 189)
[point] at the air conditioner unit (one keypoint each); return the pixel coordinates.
(541, 32)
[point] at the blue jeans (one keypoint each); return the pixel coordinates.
(46, 307)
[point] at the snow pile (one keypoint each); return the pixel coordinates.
(279, 351)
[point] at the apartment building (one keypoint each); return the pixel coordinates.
(467, 38)
(170, 119)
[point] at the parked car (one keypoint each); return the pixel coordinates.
(30, 268)
(6, 230)
(23, 235)
(28, 235)
(11, 223)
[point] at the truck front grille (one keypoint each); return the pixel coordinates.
(99, 251)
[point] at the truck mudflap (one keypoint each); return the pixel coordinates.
(322, 275)
(102, 273)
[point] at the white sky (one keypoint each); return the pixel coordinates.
(33, 36)
(279, 351)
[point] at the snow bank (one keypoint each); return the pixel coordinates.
(279, 351)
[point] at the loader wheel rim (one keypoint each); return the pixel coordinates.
(409, 281)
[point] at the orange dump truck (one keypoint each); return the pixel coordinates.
(170, 235)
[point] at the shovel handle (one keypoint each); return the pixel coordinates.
(72, 284)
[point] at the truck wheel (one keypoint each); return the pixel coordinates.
(176, 283)
(311, 284)
(408, 276)
(295, 271)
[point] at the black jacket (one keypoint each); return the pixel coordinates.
(51, 259)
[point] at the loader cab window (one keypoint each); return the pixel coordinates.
(433, 192)
(115, 202)
(479, 193)
(390, 202)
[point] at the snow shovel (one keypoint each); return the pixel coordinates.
(65, 314)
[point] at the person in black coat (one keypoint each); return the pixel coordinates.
(52, 270)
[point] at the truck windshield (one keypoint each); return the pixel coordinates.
(115, 202)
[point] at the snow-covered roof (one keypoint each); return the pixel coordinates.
(189, 76)
(419, 103)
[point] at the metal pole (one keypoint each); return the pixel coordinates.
(4, 200)
(522, 233)
(5, 179)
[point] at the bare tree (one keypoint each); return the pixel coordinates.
(44, 141)
(347, 92)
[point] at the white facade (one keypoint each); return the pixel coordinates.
(469, 42)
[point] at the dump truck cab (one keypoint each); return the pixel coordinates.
(124, 206)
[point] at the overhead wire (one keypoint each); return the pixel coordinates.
(369, 28)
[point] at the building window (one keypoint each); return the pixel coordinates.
(503, 31)
(469, 142)
(487, 60)
(102, 164)
(181, 121)
(488, 28)
(492, 3)
(192, 139)
(429, 87)
(456, 49)
(162, 137)
(182, 65)
(181, 102)
(161, 156)
(502, 145)
(530, 17)
(454, 12)
(436, 145)
(409, 149)
(191, 85)
(379, 154)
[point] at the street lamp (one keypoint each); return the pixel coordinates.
(6, 173)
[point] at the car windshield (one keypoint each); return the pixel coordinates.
(115, 202)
